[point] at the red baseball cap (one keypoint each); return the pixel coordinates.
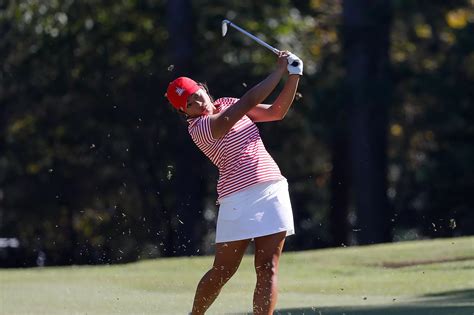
(179, 91)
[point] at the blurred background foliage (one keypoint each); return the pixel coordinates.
(95, 166)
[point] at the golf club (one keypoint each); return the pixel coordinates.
(255, 38)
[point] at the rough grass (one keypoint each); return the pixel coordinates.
(433, 277)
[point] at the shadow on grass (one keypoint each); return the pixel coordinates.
(445, 303)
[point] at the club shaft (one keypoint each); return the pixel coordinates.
(255, 38)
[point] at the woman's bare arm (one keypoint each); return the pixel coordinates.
(279, 108)
(222, 122)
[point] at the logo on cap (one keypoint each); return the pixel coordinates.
(179, 91)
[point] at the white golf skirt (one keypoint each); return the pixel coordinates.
(259, 210)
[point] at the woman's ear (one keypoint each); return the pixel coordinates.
(183, 113)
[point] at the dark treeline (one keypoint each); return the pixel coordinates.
(95, 166)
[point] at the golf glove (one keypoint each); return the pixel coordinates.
(298, 69)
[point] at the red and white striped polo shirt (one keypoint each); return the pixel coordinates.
(240, 155)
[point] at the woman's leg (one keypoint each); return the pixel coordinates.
(267, 254)
(227, 259)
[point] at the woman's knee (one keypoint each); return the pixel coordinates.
(223, 272)
(266, 266)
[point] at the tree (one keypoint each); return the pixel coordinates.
(366, 29)
(189, 183)
(430, 168)
(96, 167)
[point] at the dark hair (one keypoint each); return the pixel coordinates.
(204, 86)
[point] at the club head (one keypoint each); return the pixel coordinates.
(224, 27)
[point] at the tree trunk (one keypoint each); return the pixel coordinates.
(366, 29)
(185, 216)
(340, 184)
(181, 29)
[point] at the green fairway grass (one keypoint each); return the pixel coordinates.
(434, 277)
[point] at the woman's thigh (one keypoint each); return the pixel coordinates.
(268, 248)
(229, 254)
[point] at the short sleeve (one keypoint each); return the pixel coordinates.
(200, 128)
(226, 101)
(200, 131)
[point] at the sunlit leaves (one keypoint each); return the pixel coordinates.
(22, 127)
(48, 17)
(396, 130)
(423, 31)
(457, 18)
(433, 65)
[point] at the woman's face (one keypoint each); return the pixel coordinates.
(199, 104)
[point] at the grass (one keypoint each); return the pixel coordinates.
(433, 277)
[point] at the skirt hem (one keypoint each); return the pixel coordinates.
(289, 232)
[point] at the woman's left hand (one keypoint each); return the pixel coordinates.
(295, 64)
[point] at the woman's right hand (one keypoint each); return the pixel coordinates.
(283, 61)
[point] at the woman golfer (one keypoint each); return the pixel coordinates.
(252, 193)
